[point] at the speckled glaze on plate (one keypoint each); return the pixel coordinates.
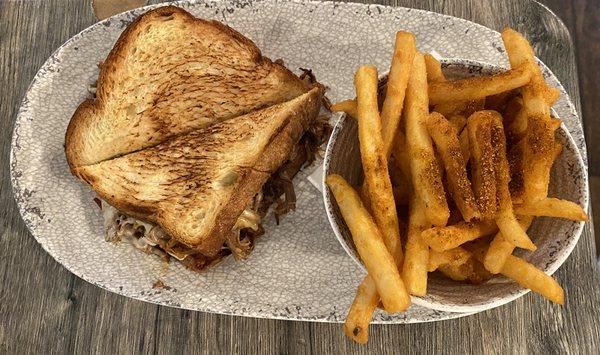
(298, 269)
(554, 237)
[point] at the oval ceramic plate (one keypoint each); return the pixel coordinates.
(298, 269)
(554, 237)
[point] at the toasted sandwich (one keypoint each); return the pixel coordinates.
(170, 73)
(192, 135)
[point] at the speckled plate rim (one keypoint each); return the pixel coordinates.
(19, 194)
(482, 306)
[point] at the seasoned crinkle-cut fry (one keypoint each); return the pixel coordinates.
(404, 52)
(359, 317)
(478, 87)
(552, 207)
(374, 161)
(501, 247)
(479, 127)
(529, 276)
(434, 69)
(348, 106)
(445, 137)
(456, 256)
(370, 246)
(414, 270)
(425, 172)
(449, 237)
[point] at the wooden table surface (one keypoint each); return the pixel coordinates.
(44, 308)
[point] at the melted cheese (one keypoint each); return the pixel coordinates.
(248, 219)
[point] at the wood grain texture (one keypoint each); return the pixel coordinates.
(44, 308)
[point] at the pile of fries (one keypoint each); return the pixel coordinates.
(466, 162)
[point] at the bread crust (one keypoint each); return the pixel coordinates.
(79, 147)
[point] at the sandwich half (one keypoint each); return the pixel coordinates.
(199, 196)
(170, 73)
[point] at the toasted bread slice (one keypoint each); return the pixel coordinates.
(170, 73)
(196, 185)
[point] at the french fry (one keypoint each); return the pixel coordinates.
(539, 153)
(414, 270)
(526, 275)
(361, 312)
(478, 274)
(374, 161)
(529, 276)
(518, 49)
(445, 137)
(471, 271)
(465, 149)
(537, 95)
(501, 247)
(449, 237)
(533, 119)
(458, 121)
(479, 127)
(434, 69)
(376, 178)
(370, 246)
(478, 87)
(553, 207)
(456, 256)
(462, 108)
(455, 272)
(436, 75)
(404, 52)
(505, 218)
(551, 95)
(347, 106)
(451, 108)
(425, 172)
